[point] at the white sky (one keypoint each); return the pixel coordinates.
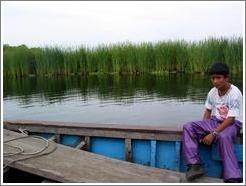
(90, 23)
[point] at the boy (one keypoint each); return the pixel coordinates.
(222, 121)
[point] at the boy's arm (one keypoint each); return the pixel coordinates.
(227, 122)
(208, 139)
(207, 114)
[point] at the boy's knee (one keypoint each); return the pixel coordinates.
(187, 126)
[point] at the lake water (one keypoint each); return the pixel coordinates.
(153, 100)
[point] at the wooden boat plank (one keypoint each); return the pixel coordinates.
(88, 131)
(114, 127)
(155, 133)
(128, 149)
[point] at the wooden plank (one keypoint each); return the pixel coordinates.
(102, 130)
(58, 138)
(67, 164)
(114, 127)
(87, 144)
(128, 149)
(96, 132)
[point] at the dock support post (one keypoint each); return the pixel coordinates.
(153, 153)
(128, 149)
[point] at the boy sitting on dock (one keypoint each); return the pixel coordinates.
(222, 121)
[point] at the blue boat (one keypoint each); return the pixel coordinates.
(158, 147)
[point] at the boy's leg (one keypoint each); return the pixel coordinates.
(226, 147)
(193, 132)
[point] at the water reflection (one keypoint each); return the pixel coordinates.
(143, 99)
(108, 87)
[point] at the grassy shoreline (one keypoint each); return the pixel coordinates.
(124, 58)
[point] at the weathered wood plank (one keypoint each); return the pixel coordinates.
(150, 133)
(99, 126)
(90, 131)
(87, 144)
(57, 138)
(128, 149)
(98, 132)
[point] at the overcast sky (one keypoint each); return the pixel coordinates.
(93, 23)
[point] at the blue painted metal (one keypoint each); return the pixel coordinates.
(166, 155)
(153, 153)
(111, 147)
(44, 135)
(178, 153)
(238, 149)
(70, 140)
(141, 152)
(213, 168)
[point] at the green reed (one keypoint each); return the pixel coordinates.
(124, 58)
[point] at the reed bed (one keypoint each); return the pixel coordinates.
(124, 58)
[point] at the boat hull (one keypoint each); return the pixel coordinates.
(145, 146)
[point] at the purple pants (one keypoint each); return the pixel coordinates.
(194, 132)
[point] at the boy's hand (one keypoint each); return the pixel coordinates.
(208, 139)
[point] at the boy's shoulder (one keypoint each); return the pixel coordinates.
(212, 91)
(235, 90)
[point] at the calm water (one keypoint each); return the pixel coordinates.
(167, 100)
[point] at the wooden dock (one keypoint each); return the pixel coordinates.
(71, 165)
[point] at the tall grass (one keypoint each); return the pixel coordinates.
(124, 58)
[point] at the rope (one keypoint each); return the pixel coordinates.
(22, 151)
